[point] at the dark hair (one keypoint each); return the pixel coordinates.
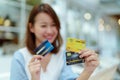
(30, 37)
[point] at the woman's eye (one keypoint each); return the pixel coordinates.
(43, 25)
(54, 25)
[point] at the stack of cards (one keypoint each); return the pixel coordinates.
(44, 48)
(73, 46)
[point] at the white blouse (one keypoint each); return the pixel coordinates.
(54, 66)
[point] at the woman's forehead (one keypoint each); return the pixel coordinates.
(43, 18)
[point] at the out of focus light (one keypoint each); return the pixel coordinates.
(87, 16)
(119, 21)
(101, 27)
(108, 28)
(101, 21)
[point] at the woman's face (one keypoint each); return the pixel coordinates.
(44, 28)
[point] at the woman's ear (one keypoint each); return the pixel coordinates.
(31, 28)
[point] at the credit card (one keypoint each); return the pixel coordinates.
(44, 48)
(73, 58)
(73, 46)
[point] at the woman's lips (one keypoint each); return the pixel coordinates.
(49, 38)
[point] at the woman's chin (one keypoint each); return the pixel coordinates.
(50, 40)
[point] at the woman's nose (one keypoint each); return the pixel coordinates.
(49, 30)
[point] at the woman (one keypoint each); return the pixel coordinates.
(43, 24)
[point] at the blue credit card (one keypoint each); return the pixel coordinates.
(44, 48)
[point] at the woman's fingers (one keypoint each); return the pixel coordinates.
(36, 57)
(35, 60)
(86, 53)
(91, 58)
(89, 55)
(93, 63)
(35, 64)
(34, 68)
(84, 50)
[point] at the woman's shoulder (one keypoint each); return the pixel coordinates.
(18, 54)
(22, 53)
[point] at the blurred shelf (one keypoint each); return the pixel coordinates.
(11, 3)
(14, 33)
(9, 29)
(15, 4)
(4, 39)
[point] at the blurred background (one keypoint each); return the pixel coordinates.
(96, 21)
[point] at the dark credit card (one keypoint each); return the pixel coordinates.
(44, 48)
(73, 58)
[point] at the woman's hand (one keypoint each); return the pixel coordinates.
(35, 67)
(91, 60)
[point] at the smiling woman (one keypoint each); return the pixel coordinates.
(43, 24)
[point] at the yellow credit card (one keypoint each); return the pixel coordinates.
(75, 45)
